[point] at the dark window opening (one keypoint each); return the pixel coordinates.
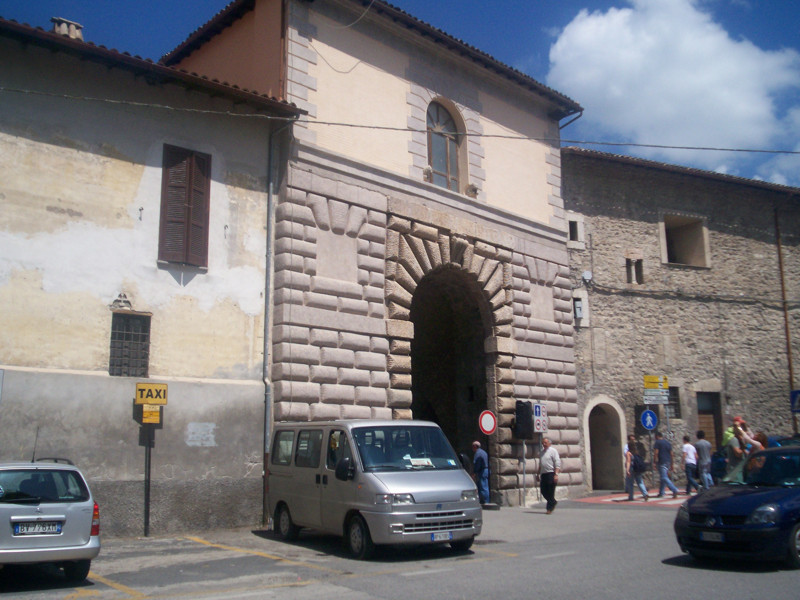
(635, 270)
(573, 231)
(685, 240)
(673, 408)
(185, 191)
(130, 345)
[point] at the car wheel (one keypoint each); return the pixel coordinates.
(462, 545)
(793, 556)
(77, 570)
(284, 525)
(359, 539)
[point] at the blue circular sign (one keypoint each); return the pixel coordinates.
(649, 420)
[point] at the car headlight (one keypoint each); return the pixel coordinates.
(469, 495)
(394, 499)
(683, 512)
(766, 514)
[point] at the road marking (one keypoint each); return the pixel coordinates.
(288, 561)
(554, 555)
(425, 572)
(117, 586)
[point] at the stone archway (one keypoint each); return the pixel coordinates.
(604, 433)
(434, 276)
(448, 359)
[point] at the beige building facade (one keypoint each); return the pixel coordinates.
(103, 285)
(685, 274)
(421, 266)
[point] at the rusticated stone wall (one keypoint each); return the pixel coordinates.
(342, 330)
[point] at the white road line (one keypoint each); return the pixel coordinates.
(425, 572)
(556, 555)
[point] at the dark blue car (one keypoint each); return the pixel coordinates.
(754, 512)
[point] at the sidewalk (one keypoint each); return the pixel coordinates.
(622, 497)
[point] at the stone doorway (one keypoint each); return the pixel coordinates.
(605, 442)
(449, 364)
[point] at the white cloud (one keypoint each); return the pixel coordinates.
(663, 72)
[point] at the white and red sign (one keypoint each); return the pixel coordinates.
(487, 422)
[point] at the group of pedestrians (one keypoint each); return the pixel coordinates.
(696, 463)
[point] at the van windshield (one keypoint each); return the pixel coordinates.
(403, 448)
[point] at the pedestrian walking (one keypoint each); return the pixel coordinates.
(635, 468)
(703, 447)
(662, 456)
(480, 471)
(690, 465)
(549, 468)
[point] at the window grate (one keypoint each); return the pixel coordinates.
(673, 409)
(130, 345)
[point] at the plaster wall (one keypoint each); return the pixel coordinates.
(383, 82)
(81, 152)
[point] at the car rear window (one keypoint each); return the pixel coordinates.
(42, 485)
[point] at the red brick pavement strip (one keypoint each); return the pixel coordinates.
(622, 499)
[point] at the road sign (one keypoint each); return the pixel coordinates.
(649, 420)
(540, 418)
(652, 396)
(794, 398)
(151, 393)
(656, 382)
(487, 422)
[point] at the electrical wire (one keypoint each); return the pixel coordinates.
(308, 121)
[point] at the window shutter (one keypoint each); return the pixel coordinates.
(185, 190)
(197, 247)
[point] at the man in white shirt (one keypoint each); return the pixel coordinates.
(690, 465)
(549, 468)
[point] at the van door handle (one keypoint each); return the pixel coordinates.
(324, 480)
(317, 480)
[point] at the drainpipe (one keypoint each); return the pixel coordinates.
(786, 327)
(270, 224)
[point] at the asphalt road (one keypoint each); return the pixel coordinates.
(594, 550)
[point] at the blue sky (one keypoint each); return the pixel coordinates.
(678, 73)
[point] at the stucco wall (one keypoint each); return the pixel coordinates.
(79, 224)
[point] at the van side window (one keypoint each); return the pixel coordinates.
(282, 448)
(338, 448)
(309, 444)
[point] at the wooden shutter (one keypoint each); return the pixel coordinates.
(185, 190)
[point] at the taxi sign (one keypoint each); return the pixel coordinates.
(151, 393)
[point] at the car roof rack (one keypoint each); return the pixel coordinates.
(56, 459)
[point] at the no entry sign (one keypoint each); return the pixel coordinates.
(487, 422)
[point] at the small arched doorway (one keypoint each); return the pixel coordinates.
(605, 428)
(449, 365)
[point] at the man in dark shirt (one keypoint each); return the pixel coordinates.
(662, 455)
(480, 469)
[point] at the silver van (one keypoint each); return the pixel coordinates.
(373, 482)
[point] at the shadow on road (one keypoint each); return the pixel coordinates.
(329, 545)
(33, 578)
(723, 566)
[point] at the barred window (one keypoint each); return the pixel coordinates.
(673, 409)
(130, 345)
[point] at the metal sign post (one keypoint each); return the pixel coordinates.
(148, 411)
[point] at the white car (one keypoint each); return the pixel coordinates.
(48, 515)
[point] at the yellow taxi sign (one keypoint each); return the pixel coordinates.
(151, 414)
(656, 382)
(151, 393)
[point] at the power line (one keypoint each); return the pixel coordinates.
(307, 121)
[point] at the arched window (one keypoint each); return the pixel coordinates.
(443, 142)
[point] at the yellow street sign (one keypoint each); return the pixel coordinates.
(151, 414)
(656, 382)
(151, 393)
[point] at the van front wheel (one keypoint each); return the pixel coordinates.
(359, 539)
(284, 525)
(462, 545)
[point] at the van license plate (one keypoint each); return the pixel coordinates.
(38, 528)
(711, 536)
(444, 536)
